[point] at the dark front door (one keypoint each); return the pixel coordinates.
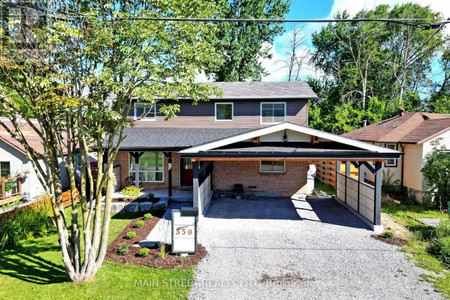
(186, 172)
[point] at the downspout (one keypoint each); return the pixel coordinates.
(403, 165)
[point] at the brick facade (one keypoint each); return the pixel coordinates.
(227, 173)
(123, 159)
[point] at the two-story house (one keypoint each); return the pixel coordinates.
(255, 135)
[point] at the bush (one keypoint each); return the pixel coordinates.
(162, 250)
(24, 225)
(139, 224)
(143, 252)
(123, 249)
(131, 192)
(389, 186)
(388, 234)
(130, 235)
(148, 216)
(441, 249)
(442, 230)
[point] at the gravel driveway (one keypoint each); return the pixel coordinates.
(269, 249)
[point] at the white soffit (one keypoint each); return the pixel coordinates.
(288, 126)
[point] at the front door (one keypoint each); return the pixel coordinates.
(186, 172)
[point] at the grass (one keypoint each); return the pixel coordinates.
(324, 188)
(417, 245)
(34, 270)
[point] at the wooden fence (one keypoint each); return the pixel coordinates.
(326, 172)
(36, 204)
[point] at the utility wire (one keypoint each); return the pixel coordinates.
(426, 23)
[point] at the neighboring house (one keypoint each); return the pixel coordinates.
(14, 162)
(412, 133)
(256, 136)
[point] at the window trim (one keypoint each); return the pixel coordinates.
(215, 111)
(146, 118)
(261, 171)
(131, 170)
(261, 116)
(395, 164)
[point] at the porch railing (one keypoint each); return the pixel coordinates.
(10, 188)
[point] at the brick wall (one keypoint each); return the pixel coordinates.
(227, 173)
(123, 159)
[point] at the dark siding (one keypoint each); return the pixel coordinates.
(246, 115)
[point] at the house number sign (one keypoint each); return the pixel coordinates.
(184, 230)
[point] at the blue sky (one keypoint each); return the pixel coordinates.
(320, 9)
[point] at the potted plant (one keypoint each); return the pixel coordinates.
(9, 187)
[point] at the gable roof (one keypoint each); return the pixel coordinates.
(31, 137)
(264, 90)
(284, 126)
(414, 127)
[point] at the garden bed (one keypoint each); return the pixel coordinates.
(153, 259)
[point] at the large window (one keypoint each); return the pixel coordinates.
(5, 169)
(272, 166)
(151, 167)
(391, 162)
(273, 112)
(145, 111)
(224, 111)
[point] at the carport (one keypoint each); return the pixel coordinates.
(289, 142)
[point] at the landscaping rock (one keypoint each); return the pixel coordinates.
(132, 207)
(161, 204)
(146, 206)
(117, 207)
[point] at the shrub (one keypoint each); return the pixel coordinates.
(441, 249)
(162, 250)
(131, 192)
(389, 185)
(388, 234)
(139, 224)
(148, 216)
(123, 249)
(130, 235)
(143, 252)
(24, 225)
(442, 230)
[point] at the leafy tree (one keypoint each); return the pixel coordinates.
(79, 76)
(243, 45)
(440, 98)
(436, 172)
(387, 64)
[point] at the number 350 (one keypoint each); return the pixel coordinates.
(183, 231)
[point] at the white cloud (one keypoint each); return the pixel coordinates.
(352, 6)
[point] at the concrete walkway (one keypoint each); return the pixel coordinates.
(315, 249)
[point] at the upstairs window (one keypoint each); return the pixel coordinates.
(272, 166)
(145, 111)
(273, 112)
(224, 111)
(391, 162)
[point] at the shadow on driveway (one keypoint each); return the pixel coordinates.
(314, 209)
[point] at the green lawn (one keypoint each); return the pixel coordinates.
(34, 270)
(422, 237)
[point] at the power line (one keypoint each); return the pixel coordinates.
(425, 23)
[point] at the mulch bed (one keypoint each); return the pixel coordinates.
(152, 260)
(392, 241)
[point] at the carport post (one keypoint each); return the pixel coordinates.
(347, 174)
(377, 196)
(195, 173)
(361, 171)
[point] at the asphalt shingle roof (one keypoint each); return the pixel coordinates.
(264, 90)
(414, 127)
(149, 138)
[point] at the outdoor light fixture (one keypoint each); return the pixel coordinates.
(285, 137)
